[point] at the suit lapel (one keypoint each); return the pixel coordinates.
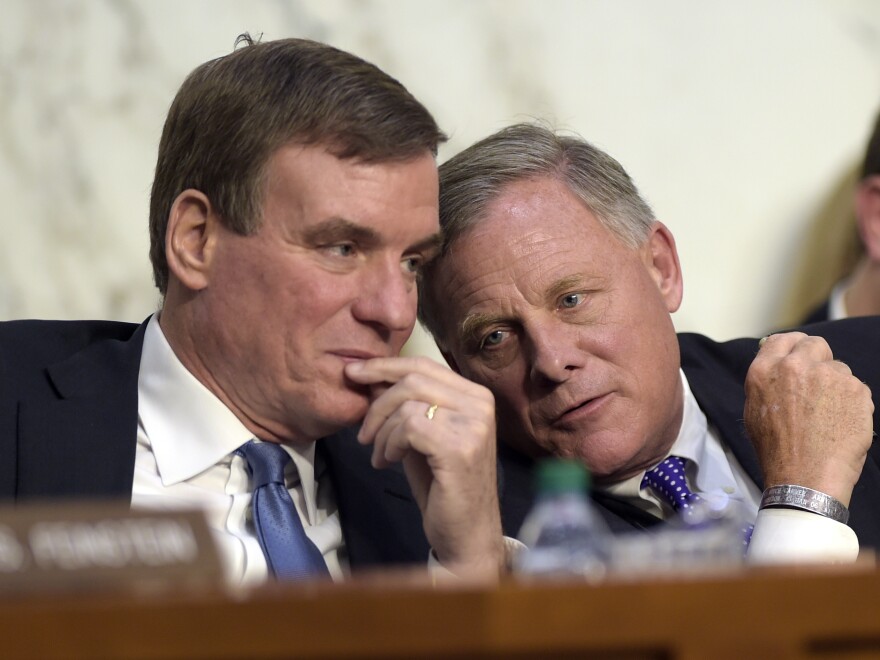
(81, 440)
(381, 522)
(717, 384)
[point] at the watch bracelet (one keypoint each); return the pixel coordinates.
(806, 499)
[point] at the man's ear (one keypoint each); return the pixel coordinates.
(190, 238)
(661, 258)
(868, 215)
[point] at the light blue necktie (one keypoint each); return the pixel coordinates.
(289, 552)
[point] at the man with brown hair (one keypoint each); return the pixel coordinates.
(294, 203)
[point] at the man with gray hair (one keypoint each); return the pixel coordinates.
(554, 288)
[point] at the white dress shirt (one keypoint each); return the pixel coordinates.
(780, 535)
(185, 443)
(837, 302)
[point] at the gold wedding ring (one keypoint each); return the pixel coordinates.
(429, 413)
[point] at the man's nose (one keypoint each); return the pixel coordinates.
(555, 355)
(387, 298)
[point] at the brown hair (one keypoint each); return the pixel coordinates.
(232, 113)
(871, 163)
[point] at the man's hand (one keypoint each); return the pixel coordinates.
(809, 418)
(449, 460)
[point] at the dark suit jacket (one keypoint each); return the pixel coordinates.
(68, 426)
(818, 314)
(716, 373)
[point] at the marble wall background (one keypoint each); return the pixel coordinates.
(735, 119)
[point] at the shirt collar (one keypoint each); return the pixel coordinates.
(837, 302)
(691, 440)
(188, 427)
(689, 443)
(695, 442)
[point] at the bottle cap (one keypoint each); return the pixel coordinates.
(558, 475)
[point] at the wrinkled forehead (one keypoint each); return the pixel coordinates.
(527, 251)
(536, 217)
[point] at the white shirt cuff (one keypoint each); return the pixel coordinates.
(436, 569)
(792, 536)
(512, 547)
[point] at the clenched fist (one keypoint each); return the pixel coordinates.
(808, 417)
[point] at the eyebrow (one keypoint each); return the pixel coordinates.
(430, 247)
(473, 323)
(340, 229)
(471, 326)
(337, 229)
(565, 285)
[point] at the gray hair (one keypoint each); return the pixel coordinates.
(471, 180)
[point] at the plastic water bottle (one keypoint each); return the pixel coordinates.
(565, 536)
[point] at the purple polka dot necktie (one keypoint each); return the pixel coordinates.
(668, 482)
(289, 553)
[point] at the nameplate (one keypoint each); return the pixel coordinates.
(103, 546)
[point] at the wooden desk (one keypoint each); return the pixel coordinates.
(821, 613)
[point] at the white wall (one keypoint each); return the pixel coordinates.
(734, 118)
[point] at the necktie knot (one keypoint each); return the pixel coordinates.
(266, 461)
(668, 482)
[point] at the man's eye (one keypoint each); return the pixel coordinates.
(342, 250)
(412, 264)
(492, 339)
(571, 300)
